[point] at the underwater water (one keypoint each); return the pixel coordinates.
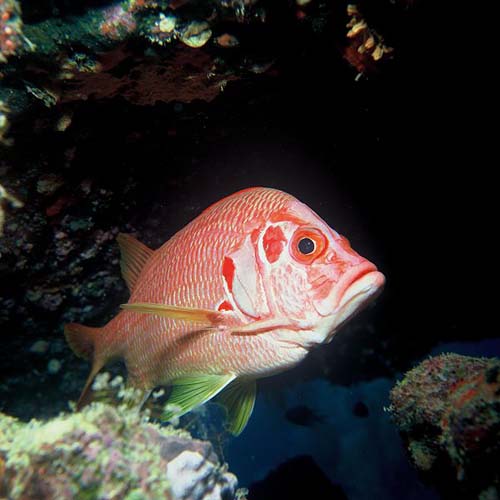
(168, 108)
(363, 456)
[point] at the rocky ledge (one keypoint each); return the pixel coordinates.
(107, 452)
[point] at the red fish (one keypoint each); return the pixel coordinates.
(242, 292)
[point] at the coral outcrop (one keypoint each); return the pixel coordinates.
(448, 412)
(140, 50)
(150, 51)
(106, 452)
(11, 37)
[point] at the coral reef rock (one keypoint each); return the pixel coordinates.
(448, 412)
(141, 50)
(107, 452)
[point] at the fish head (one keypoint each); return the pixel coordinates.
(318, 280)
(294, 266)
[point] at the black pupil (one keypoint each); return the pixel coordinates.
(306, 246)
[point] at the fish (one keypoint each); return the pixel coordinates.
(242, 292)
(303, 415)
(360, 410)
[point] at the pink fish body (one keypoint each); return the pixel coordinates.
(242, 292)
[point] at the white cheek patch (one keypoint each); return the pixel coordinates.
(290, 286)
(243, 281)
(286, 281)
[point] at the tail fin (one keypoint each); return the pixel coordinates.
(82, 340)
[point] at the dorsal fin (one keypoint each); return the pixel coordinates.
(134, 255)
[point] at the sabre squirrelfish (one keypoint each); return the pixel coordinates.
(242, 292)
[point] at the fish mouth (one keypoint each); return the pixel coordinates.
(364, 280)
(357, 285)
(358, 288)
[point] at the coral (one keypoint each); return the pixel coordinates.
(49, 183)
(117, 23)
(366, 46)
(144, 51)
(448, 411)
(4, 124)
(48, 252)
(122, 51)
(196, 34)
(106, 452)
(163, 29)
(10, 199)
(10, 28)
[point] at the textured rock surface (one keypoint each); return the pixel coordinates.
(106, 452)
(448, 411)
(151, 51)
(143, 51)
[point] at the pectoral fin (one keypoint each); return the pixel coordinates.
(191, 391)
(175, 312)
(239, 400)
(210, 317)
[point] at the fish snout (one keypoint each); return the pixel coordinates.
(363, 279)
(355, 288)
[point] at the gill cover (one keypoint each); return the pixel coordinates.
(243, 281)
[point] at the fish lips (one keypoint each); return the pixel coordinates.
(357, 287)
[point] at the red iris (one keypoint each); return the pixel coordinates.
(308, 244)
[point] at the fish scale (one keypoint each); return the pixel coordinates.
(182, 283)
(175, 330)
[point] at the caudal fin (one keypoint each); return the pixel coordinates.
(82, 340)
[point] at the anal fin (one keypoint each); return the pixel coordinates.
(82, 340)
(238, 400)
(191, 391)
(86, 397)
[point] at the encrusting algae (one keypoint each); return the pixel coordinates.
(448, 411)
(107, 452)
(71, 456)
(7, 198)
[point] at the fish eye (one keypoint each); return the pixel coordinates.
(306, 246)
(308, 243)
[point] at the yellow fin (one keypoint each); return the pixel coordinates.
(239, 400)
(191, 391)
(176, 312)
(134, 255)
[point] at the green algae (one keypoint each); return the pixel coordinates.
(101, 452)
